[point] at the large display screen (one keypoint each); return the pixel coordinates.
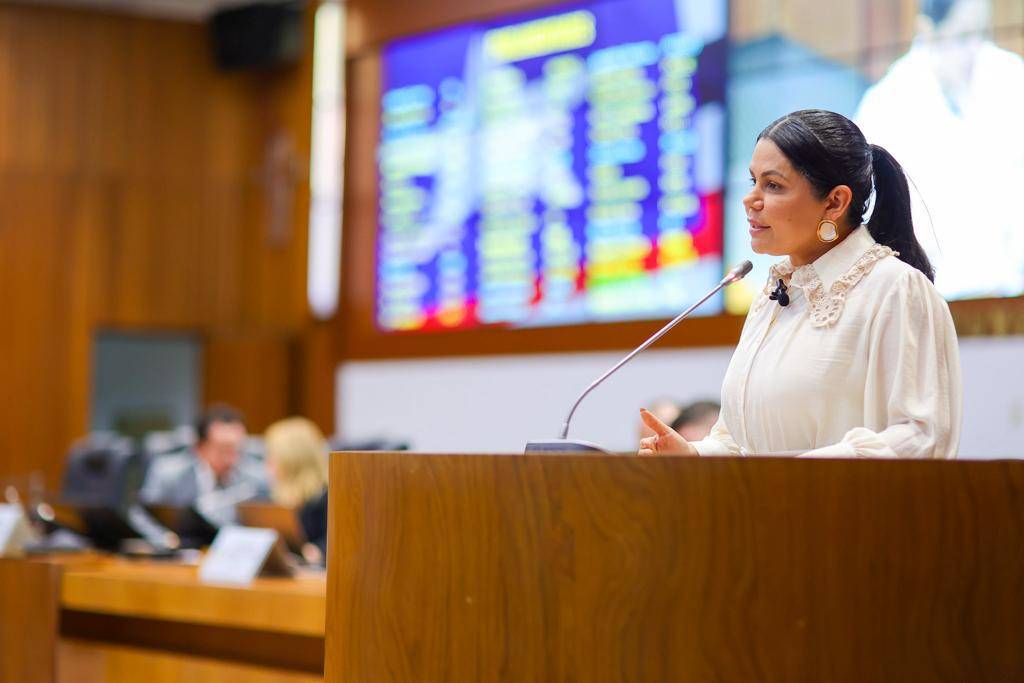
(553, 168)
(941, 86)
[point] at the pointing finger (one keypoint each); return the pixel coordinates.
(656, 425)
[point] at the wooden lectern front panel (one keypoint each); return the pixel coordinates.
(615, 568)
(28, 620)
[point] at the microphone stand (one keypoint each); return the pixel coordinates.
(563, 444)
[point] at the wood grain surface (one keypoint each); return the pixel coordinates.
(174, 593)
(28, 620)
(588, 568)
(86, 662)
(87, 618)
(132, 199)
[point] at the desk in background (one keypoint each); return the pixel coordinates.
(95, 618)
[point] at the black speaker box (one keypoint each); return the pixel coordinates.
(258, 35)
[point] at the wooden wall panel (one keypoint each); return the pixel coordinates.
(134, 184)
(35, 309)
(315, 369)
(251, 372)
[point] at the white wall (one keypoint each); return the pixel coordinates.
(993, 397)
(496, 404)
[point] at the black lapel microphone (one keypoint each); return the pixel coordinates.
(780, 294)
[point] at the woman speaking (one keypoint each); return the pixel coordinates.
(849, 351)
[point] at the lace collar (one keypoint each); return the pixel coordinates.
(826, 281)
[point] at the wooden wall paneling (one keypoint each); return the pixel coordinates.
(34, 346)
(252, 372)
(359, 211)
(89, 215)
(7, 77)
(144, 120)
(224, 223)
(131, 200)
(155, 250)
(284, 102)
(271, 275)
(106, 100)
(314, 370)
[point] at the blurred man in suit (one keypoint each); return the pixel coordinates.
(213, 478)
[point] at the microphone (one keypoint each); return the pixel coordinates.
(780, 294)
(564, 444)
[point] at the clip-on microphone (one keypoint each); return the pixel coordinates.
(780, 294)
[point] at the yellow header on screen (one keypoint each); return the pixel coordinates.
(540, 37)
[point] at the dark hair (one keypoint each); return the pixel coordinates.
(216, 413)
(695, 412)
(830, 150)
(936, 10)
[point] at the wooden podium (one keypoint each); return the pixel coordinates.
(619, 568)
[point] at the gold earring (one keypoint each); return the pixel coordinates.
(828, 231)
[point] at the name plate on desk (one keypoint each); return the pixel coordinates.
(240, 554)
(15, 533)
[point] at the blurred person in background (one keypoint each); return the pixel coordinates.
(949, 109)
(296, 453)
(214, 476)
(696, 420)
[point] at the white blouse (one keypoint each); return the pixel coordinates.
(863, 362)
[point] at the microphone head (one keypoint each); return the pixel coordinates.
(738, 272)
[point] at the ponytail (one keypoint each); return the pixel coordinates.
(891, 221)
(829, 150)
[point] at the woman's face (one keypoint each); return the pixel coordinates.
(782, 209)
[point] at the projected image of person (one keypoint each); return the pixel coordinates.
(949, 109)
(849, 350)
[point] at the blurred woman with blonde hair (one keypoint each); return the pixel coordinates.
(297, 460)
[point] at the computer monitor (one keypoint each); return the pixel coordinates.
(193, 529)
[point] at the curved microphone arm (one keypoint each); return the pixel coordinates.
(736, 274)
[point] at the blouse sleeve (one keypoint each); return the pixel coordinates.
(913, 400)
(718, 442)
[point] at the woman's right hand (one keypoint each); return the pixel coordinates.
(666, 441)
